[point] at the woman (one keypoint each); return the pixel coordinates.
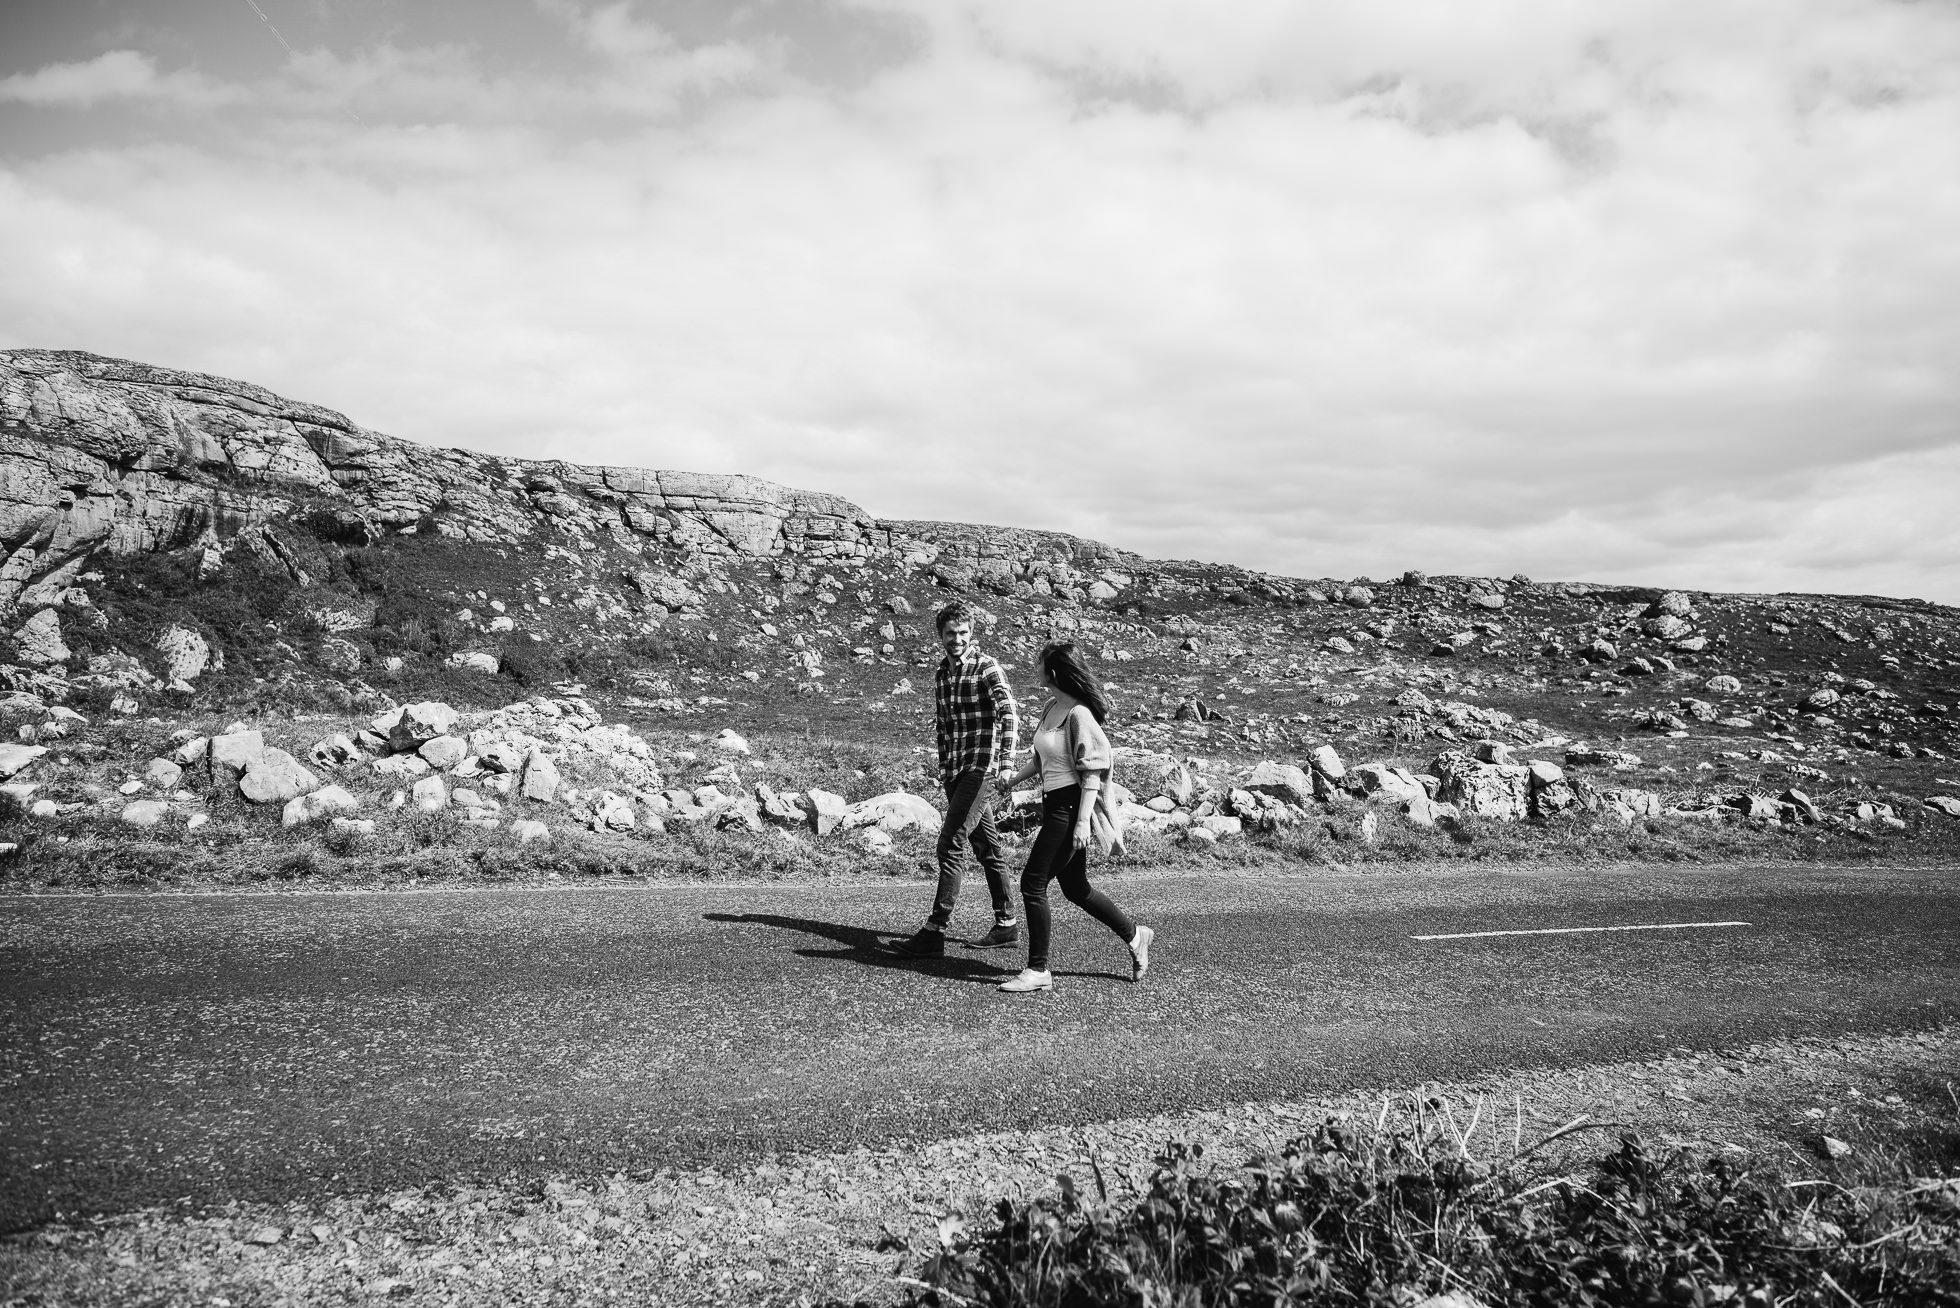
(1072, 758)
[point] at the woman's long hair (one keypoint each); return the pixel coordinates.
(1068, 673)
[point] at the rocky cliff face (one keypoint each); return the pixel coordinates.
(105, 455)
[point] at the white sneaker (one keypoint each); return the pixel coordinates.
(1140, 952)
(1029, 980)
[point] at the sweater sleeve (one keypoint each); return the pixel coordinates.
(1090, 747)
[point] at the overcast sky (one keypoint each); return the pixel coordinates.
(1662, 292)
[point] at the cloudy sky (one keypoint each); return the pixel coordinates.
(1663, 291)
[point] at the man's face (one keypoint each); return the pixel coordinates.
(957, 637)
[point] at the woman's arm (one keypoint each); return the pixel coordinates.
(1031, 768)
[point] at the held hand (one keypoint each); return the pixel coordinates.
(1081, 840)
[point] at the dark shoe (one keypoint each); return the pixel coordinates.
(999, 937)
(926, 944)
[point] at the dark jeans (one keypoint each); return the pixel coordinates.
(969, 820)
(1056, 859)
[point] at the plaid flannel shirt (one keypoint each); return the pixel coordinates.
(978, 721)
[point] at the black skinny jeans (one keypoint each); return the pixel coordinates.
(1055, 858)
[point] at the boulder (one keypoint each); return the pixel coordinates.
(540, 777)
(191, 752)
(1944, 804)
(1592, 756)
(352, 826)
(742, 815)
(430, 795)
(1673, 604)
(781, 809)
(1722, 685)
(413, 725)
(1358, 597)
(730, 743)
(500, 756)
(186, 654)
(327, 801)
(896, 811)
(1152, 775)
(163, 774)
(443, 751)
(338, 654)
(1554, 798)
(1391, 782)
(476, 661)
(144, 812)
(1487, 790)
(1329, 773)
(668, 591)
(1491, 751)
(612, 812)
(401, 765)
(827, 811)
(1666, 627)
(38, 643)
(1600, 651)
(1819, 700)
(14, 758)
(1219, 826)
(1282, 781)
(1488, 599)
(1426, 812)
(1805, 808)
(529, 830)
(274, 777)
(873, 841)
(232, 752)
(333, 752)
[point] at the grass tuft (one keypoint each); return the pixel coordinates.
(1417, 1204)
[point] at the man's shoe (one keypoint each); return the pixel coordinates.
(1140, 952)
(999, 937)
(927, 943)
(1029, 980)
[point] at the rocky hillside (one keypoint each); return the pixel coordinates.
(178, 545)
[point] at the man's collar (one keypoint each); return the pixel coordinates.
(972, 655)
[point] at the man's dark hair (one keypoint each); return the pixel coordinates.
(1069, 673)
(957, 611)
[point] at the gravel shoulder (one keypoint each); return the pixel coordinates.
(802, 1227)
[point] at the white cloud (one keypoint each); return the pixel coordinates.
(1625, 291)
(115, 75)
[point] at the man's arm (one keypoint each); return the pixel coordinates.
(1007, 715)
(942, 726)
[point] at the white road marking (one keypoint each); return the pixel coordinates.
(1573, 931)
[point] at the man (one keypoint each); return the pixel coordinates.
(978, 725)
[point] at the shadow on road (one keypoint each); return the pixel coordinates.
(864, 946)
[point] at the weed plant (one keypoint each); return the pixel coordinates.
(1388, 1215)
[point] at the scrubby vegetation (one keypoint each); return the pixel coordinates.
(1426, 1202)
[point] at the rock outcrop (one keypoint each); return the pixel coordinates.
(102, 454)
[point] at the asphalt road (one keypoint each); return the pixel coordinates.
(158, 1048)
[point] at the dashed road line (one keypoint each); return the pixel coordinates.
(1574, 931)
